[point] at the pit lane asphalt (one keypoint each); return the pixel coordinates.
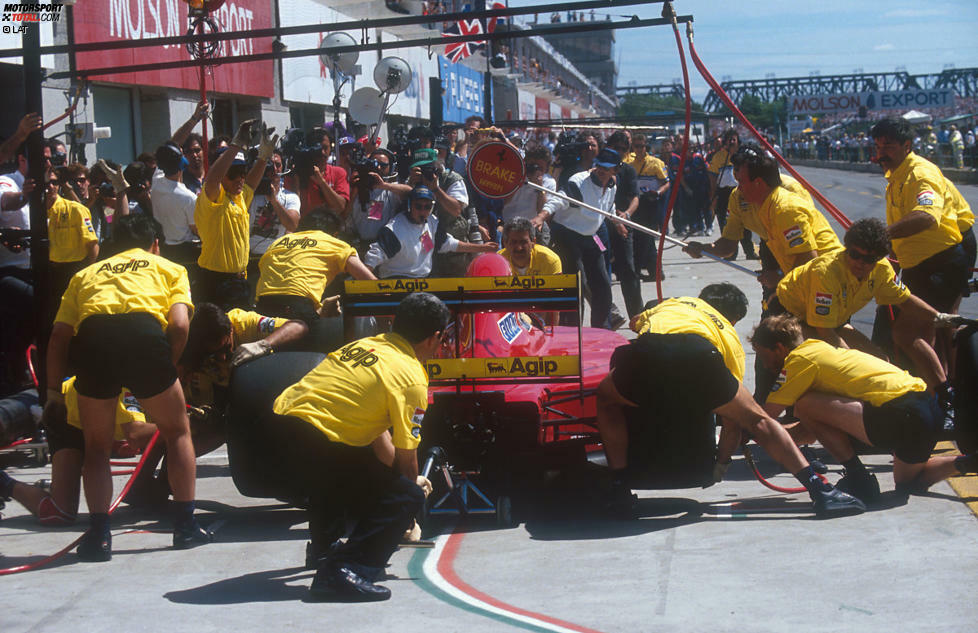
(733, 557)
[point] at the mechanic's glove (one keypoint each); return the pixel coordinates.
(115, 177)
(943, 319)
(242, 138)
(424, 484)
(413, 533)
(719, 470)
(54, 412)
(250, 351)
(267, 143)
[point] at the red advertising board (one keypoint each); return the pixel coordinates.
(565, 112)
(543, 109)
(496, 170)
(126, 20)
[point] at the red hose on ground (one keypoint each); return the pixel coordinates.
(682, 157)
(115, 504)
(831, 208)
(750, 462)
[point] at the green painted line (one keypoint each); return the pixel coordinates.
(416, 569)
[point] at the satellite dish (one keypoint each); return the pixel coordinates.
(342, 62)
(366, 105)
(392, 75)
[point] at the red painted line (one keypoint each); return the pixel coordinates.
(446, 567)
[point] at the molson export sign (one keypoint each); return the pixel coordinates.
(876, 100)
(127, 20)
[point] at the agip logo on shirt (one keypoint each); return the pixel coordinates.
(926, 198)
(780, 381)
(302, 242)
(122, 267)
(416, 421)
(360, 356)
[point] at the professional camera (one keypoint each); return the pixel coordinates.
(567, 153)
(59, 159)
(363, 165)
(301, 156)
(403, 146)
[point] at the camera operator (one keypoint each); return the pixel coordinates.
(373, 200)
(451, 198)
(139, 176)
(527, 202)
(317, 182)
(574, 155)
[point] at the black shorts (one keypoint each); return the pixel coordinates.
(115, 350)
(288, 307)
(61, 435)
(673, 371)
(941, 278)
(907, 425)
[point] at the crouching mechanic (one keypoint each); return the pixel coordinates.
(688, 354)
(827, 291)
(125, 321)
(333, 415)
(841, 394)
(58, 506)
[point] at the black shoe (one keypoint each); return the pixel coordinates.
(94, 548)
(191, 535)
(834, 502)
(621, 502)
(751, 256)
(866, 489)
(337, 582)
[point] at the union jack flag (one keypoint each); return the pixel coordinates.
(460, 50)
(457, 51)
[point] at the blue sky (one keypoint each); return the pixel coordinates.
(750, 39)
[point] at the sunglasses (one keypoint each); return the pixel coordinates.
(869, 258)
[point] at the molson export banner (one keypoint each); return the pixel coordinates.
(124, 20)
(876, 100)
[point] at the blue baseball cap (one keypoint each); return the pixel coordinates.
(422, 193)
(608, 158)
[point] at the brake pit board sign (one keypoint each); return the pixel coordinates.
(496, 170)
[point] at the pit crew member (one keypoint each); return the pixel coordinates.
(688, 352)
(333, 415)
(221, 214)
(125, 321)
(825, 292)
(841, 394)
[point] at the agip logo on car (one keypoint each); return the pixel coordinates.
(506, 367)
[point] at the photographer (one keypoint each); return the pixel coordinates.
(574, 155)
(373, 200)
(139, 177)
(274, 212)
(451, 198)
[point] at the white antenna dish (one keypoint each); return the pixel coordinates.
(392, 75)
(366, 105)
(342, 62)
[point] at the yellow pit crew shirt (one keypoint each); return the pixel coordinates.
(127, 409)
(918, 185)
(543, 261)
(962, 210)
(223, 230)
(817, 366)
(132, 281)
(652, 166)
(361, 390)
(787, 221)
(70, 231)
(302, 264)
(824, 293)
(689, 315)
